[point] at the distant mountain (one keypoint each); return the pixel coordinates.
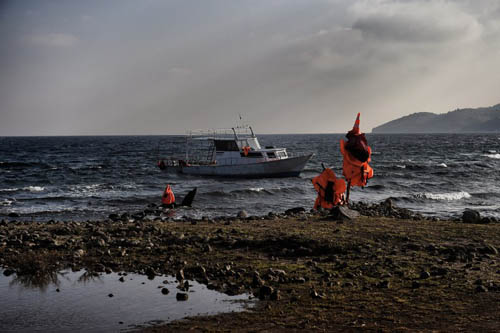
(481, 120)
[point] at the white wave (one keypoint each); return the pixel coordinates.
(495, 156)
(256, 189)
(7, 202)
(8, 189)
(443, 165)
(34, 188)
(92, 188)
(401, 166)
(444, 196)
(27, 188)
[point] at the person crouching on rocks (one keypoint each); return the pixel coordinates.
(168, 198)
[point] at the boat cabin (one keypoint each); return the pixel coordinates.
(244, 150)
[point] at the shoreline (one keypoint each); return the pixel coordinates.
(311, 271)
(154, 212)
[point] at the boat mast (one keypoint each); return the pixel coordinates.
(187, 145)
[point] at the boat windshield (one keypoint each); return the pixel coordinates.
(226, 145)
(249, 142)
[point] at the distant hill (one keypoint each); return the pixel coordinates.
(481, 120)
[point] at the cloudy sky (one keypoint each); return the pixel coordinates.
(287, 66)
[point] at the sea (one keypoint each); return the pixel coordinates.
(83, 178)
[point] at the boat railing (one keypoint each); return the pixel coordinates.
(220, 133)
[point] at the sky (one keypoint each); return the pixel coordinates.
(139, 67)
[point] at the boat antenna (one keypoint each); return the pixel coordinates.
(241, 123)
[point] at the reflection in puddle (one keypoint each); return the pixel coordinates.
(86, 301)
(38, 281)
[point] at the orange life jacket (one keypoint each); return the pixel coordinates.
(355, 171)
(168, 197)
(246, 149)
(330, 189)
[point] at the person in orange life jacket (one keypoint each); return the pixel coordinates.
(168, 198)
(246, 150)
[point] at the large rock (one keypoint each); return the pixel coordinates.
(343, 213)
(471, 216)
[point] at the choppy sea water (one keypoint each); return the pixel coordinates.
(87, 178)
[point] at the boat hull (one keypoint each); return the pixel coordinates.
(289, 167)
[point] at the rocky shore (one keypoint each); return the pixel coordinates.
(372, 267)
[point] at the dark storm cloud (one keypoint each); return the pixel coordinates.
(416, 22)
(407, 29)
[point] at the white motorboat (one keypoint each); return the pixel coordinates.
(234, 152)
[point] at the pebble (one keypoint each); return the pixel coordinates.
(182, 296)
(180, 275)
(384, 284)
(481, 289)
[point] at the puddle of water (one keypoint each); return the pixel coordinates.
(83, 302)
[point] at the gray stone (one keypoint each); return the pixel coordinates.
(384, 284)
(425, 275)
(242, 214)
(182, 296)
(180, 275)
(266, 290)
(8, 272)
(481, 289)
(485, 220)
(275, 296)
(343, 213)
